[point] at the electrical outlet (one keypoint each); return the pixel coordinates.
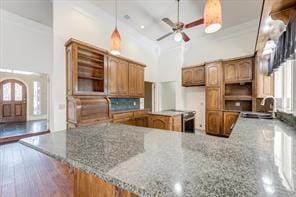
(135, 103)
(237, 104)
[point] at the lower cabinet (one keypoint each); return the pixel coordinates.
(220, 123)
(136, 118)
(229, 120)
(89, 185)
(87, 110)
(214, 122)
(141, 122)
(173, 123)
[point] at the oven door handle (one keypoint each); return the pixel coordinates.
(187, 119)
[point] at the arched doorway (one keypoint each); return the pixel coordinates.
(13, 101)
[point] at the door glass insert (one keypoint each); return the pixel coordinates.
(37, 98)
(18, 92)
(7, 92)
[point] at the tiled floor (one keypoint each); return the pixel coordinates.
(23, 128)
(26, 172)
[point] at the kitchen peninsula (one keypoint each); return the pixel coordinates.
(122, 160)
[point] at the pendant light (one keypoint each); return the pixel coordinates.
(213, 16)
(115, 42)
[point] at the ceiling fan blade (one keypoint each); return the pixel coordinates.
(194, 23)
(164, 36)
(169, 22)
(185, 37)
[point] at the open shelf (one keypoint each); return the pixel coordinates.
(82, 55)
(88, 77)
(83, 62)
(238, 97)
(90, 85)
(241, 105)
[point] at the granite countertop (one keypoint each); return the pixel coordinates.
(166, 113)
(258, 159)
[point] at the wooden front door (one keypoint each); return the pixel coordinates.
(13, 101)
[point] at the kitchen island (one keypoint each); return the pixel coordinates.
(258, 159)
(168, 120)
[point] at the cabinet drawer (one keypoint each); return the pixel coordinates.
(123, 115)
(139, 114)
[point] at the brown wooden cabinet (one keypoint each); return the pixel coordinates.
(86, 69)
(173, 123)
(237, 71)
(264, 84)
(135, 118)
(244, 69)
(214, 74)
(229, 120)
(87, 110)
(118, 72)
(193, 76)
(89, 185)
(230, 72)
(136, 80)
(213, 98)
(213, 122)
(214, 94)
(92, 75)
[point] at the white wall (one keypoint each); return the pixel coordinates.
(228, 43)
(84, 21)
(25, 45)
(167, 95)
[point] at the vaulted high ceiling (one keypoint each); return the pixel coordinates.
(150, 12)
(37, 10)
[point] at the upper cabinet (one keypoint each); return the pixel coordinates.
(213, 74)
(264, 84)
(92, 71)
(136, 80)
(193, 76)
(86, 69)
(118, 71)
(237, 71)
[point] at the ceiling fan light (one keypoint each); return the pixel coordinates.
(212, 16)
(115, 43)
(178, 37)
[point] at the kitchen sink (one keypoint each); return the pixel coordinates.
(256, 115)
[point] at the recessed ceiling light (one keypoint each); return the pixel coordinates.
(142, 26)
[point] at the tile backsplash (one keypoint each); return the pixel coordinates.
(121, 104)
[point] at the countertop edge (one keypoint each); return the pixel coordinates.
(84, 168)
(167, 115)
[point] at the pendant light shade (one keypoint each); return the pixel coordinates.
(115, 42)
(212, 16)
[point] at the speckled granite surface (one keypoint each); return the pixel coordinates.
(166, 113)
(259, 158)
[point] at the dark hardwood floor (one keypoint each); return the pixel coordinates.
(26, 172)
(11, 132)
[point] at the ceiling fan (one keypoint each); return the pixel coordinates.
(178, 27)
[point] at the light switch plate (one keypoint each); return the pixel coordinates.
(237, 104)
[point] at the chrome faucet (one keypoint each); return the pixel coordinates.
(274, 104)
